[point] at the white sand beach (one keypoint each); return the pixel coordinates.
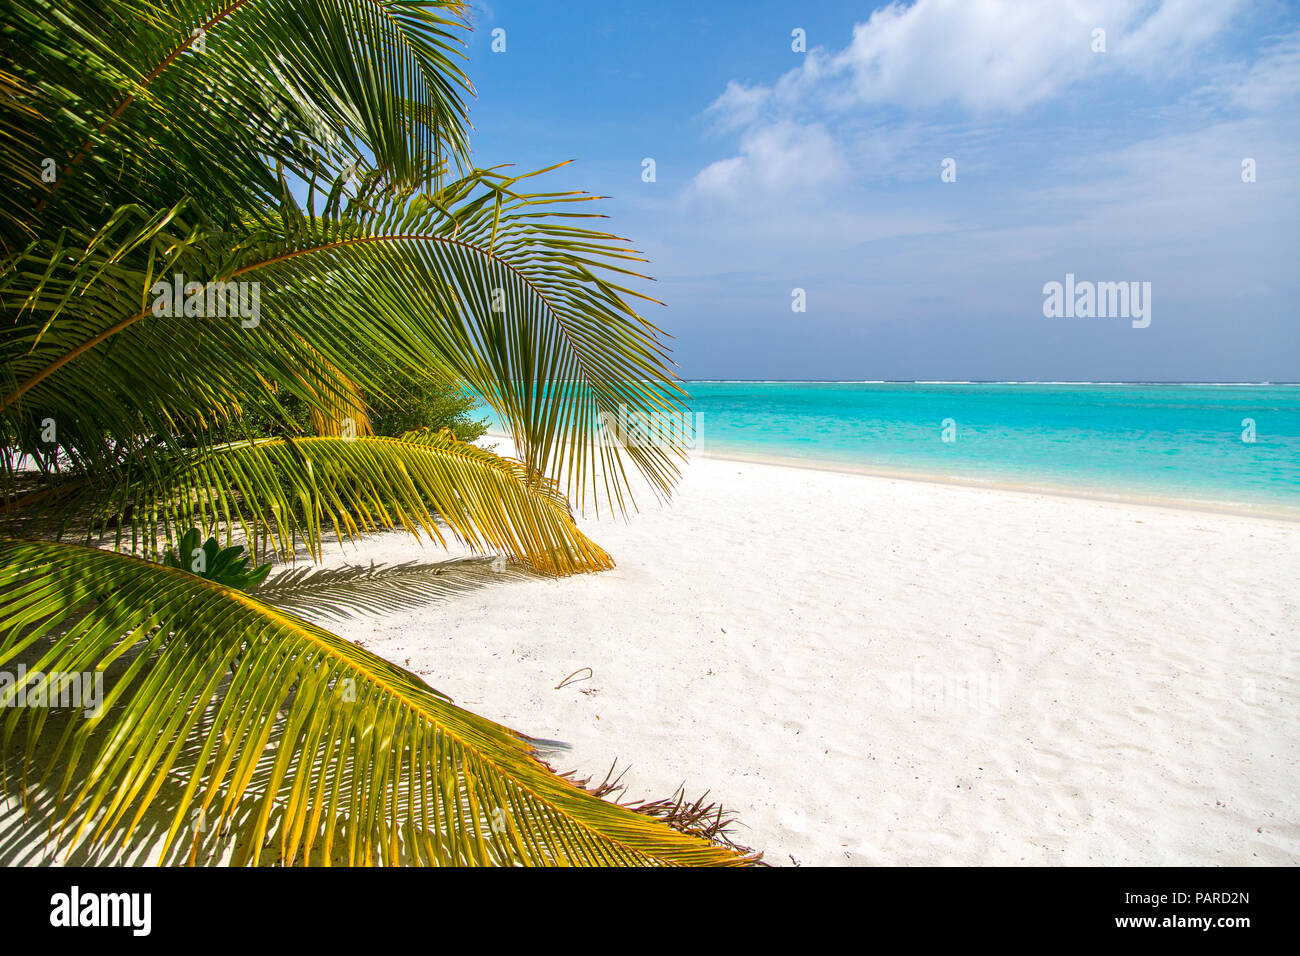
(880, 671)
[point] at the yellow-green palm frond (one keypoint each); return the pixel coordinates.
(290, 740)
(340, 410)
(20, 177)
(479, 283)
(291, 490)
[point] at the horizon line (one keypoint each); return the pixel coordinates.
(905, 381)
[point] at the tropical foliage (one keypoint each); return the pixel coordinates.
(215, 214)
(404, 405)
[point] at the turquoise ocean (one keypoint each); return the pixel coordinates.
(1219, 444)
(1233, 445)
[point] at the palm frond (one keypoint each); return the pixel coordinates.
(17, 143)
(352, 755)
(298, 490)
(229, 94)
(360, 590)
(171, 136)
(489, 286)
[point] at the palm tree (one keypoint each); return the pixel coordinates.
(210, 208)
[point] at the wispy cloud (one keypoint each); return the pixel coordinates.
(1269, 84)
(780, 156)
(991, 56)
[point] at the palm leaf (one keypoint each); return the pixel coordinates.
(299, 489)
(180, 130)
(227, 94)
(355, 756)
(16, 146)
(479, 283)
(374, 589)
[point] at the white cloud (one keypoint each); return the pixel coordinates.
(992, 59)
(984, 55)
(1164, 41)
(1270, 83)
(782, 156)
(738, 105)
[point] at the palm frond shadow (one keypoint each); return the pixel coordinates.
(360, 590)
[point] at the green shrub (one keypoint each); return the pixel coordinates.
(406, 404)
(410, 404)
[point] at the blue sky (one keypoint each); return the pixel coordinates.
(821, 170)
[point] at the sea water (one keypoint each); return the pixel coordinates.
(1232, 444)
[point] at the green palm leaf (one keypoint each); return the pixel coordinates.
(286, 733)
(16, 146)
(180, 131)
(227, 94)
(296, 490)
(488, 286)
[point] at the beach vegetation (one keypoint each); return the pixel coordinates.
(308, 163)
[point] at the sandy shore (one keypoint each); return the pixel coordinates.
(869, 670)
(878, 671)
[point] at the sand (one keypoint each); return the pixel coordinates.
(876, 671)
